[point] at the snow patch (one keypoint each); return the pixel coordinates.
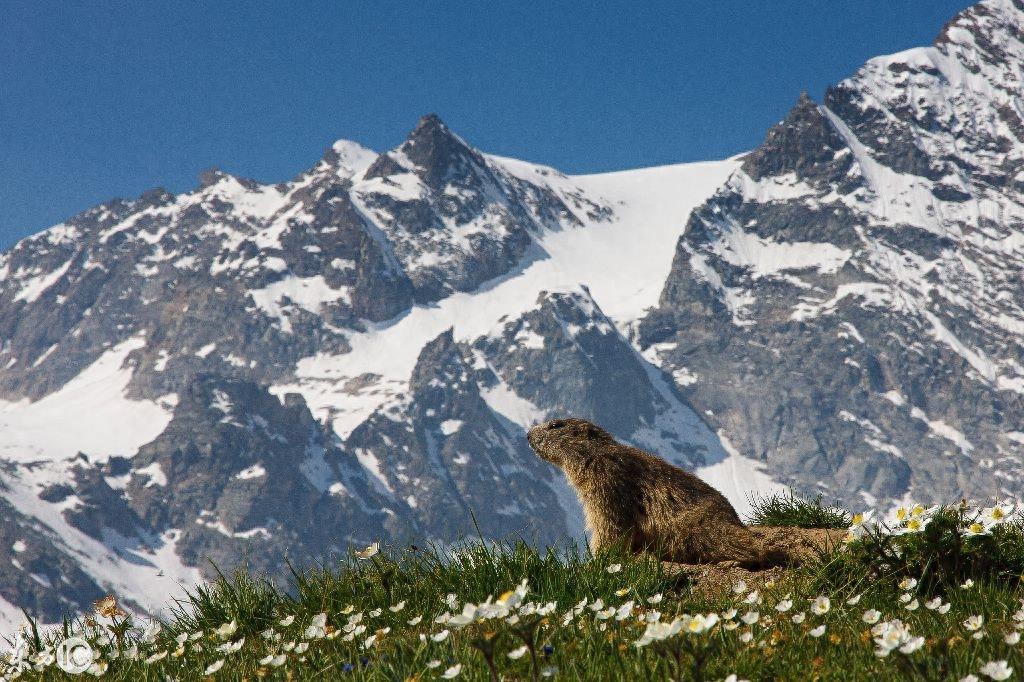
(89, 414)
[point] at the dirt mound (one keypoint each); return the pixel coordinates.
(804, 544)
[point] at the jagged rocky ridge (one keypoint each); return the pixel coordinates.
(150, 348)
(246, 372)
(847, 306)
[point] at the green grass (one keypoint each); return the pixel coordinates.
(786, 509)
(586, 646)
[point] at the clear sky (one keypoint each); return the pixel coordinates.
(101, 99)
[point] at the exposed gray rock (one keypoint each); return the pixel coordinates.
(848, 302)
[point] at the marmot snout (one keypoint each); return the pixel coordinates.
(632, 496)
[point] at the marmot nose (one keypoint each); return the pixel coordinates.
(534, 433)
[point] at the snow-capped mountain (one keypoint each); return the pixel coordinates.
(249, 372)
(246, 372)
(847, 308)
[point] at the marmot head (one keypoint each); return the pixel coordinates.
(561, 440)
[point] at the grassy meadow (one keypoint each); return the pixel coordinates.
(926, 594)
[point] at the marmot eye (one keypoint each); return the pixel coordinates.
(557, 424)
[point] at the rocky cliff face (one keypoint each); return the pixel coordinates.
(251, 371)
(150, 347)
(847, 305)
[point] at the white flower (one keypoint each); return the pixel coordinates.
(214, 667)
(913, 525)
(397, 607)
(871, 616)
(750, 617)
(753, 598)
(933, 604)
(733, 678)
(974, 623)
(908, 584)
(728, 614)
(452, 671)
(799, 617)
(440, 636)
(967, 584)
(158, 656)
(415, 621)
(906, 597)
(227, 629)
(997, 670)
(993, 516)
(976, 528)
(944, 608)
(784, 605)
(149, 635)
(285, 622)
(597, 605)
(516, 654)
(912, 645)
(739, 587)
(746, 636)
(894, 634)
(375, 613)
(969, 678)
(821, 605)
(624, 611)
(433, 664)
(98, 668)
(468, 615)
(1012, 638)
(548, 671)
(854, 600)
(861, 519)
(818, 631)
(699, 624)
(919, 511)
(656, 599)
(370, 552)
(614, 568)
(912, 606)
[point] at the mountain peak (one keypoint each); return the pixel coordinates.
(804, 142)
(435, 150)
(348, 158)
(430, 123)
(980, 22)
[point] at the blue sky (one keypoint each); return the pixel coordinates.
(105, 99)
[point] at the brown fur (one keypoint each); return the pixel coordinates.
(634, 497)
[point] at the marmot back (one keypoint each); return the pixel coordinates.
(635, 497)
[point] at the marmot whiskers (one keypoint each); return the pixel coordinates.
(631, 496)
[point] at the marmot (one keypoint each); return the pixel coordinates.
(632, 496)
